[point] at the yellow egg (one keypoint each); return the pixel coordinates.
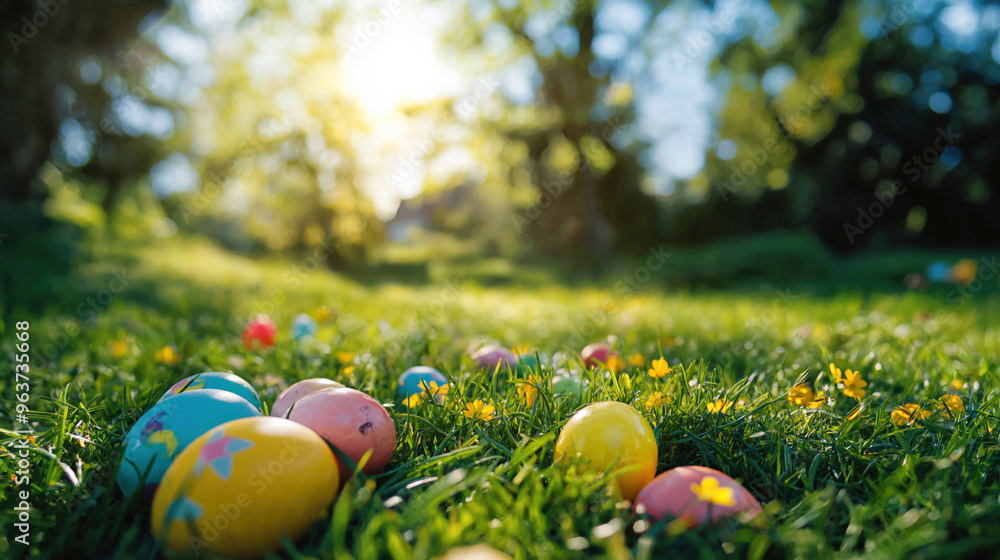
(611, 434)
(242, 486)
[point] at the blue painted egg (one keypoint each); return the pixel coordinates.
(937, 271)
(169, 426)
(215, 380)
(409, 382)
(531, 364)
(303, 327)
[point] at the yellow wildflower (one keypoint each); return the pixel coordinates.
(710, 491)
(908, 414)
(322, 314)
(345, 357)
(167, 355)
(720, 406)
(801, 395)
(349, 370)
(479, 409)
(660, 368)
(636, 360)
(414, 400)
(118, 348)
(952, 404)
(656, 399)
(835, 372)
(957, 384)
(817, 401)
(854, 385)
(528, 389)
(615, 363)
(521, 350)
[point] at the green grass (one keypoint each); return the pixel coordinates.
(833, 487)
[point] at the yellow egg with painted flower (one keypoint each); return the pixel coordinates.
(243, 487)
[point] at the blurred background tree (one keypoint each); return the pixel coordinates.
(581, 129)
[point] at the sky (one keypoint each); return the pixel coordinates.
(392, 58)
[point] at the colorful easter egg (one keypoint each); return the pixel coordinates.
(260, 332)
(694, 493)
(529, 364)
(220, 380)
(351, 421)
(596, 354)
(297, 391)
(567, 385)
(411, 382)
(167, 428)
(303, 327)
(241, 488)
(937, 271)
(611, 435)
(490, 355)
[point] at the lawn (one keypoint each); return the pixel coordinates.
(834, 484)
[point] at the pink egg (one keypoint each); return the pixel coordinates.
(490, 355)
(351, 421)
(673, 494)
(297, 391)
(596, 354)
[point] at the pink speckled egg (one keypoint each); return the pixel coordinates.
(596, 354)
(351, 421)
(691, 492)
(490, 355)
(297, 391)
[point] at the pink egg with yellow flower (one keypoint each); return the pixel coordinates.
(695, 494)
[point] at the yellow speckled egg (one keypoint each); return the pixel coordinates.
(242, 486)
(608, 434)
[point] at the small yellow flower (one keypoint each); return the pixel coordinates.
(615, 363)
(167, 355)
(432, 391)
(835, 372)
(854, 385)
(528, 389)
(952, 405)
(957, 384)
(636, 360)
(660, 368)
(345, 357)
(801, 395)
(656, 399)
(521, 350)
(118, 348)
(31, 439)
(349, 370)
(720, 406)
(479, 409)
(817, 402)
(908, 414)
(414, 400)
(322, 314)
(710, 491)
